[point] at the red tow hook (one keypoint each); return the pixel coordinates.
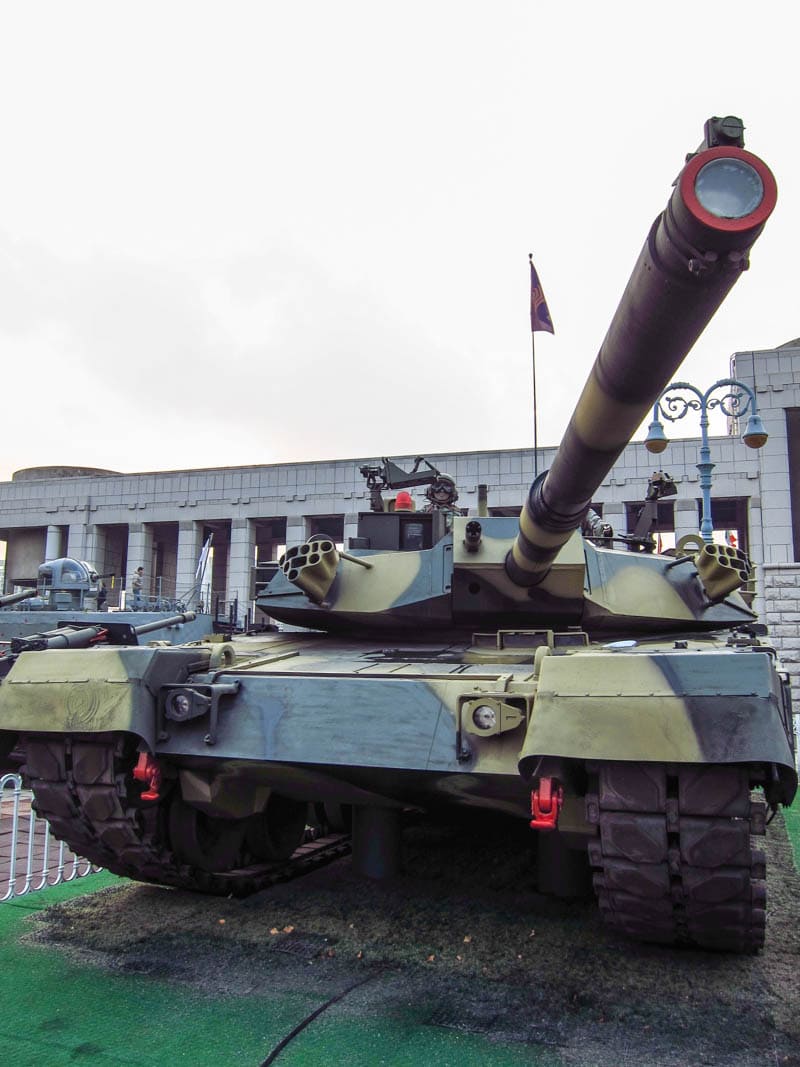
(148, 771)
(546, 803)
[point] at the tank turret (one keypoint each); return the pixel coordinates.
(67, 584)
(489, 570)
(622, 703)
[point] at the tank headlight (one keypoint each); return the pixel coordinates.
(484, 717)
(179, 706)
(729, 188)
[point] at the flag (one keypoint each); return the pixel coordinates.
(203, 560)
(540, 313)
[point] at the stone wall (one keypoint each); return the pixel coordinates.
(782, 616)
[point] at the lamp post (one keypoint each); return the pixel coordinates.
(734, 399)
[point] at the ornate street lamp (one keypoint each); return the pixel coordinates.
(735, 400)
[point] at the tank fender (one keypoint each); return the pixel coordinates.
(105, 689)
(672, 707)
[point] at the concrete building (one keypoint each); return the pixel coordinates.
(160, 520)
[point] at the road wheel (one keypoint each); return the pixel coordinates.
(210, 843)
(278, 831)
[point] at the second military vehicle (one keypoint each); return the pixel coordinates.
(70, 592)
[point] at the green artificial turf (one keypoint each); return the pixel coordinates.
(57, 1011)
(792, 819)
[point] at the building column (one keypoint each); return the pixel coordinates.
(85, 542)
(350, 527)
(614, 513)
(52, 545)
(755, 550)
(78, 541)
(241, 560)
(140, 554)
(295, 530)
(685, 518)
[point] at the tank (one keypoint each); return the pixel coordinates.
(626, 705)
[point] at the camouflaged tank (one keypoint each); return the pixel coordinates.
(622, 703)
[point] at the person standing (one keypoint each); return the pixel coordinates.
(137, 588)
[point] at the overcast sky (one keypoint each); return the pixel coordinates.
(259, 232)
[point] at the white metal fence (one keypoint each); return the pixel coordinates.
(30, 857)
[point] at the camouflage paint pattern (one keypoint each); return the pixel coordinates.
(91, 691)
(342, 720)
(640, 593)
(687, 706)
(449, 588)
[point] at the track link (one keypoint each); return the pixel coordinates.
(673, 861)
(83, 787)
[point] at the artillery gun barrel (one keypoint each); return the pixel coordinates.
(16, 598)
(72, 636)
(66, 637)
(694, 253)
(160, 624)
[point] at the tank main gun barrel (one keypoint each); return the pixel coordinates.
(16, 598)
(694, 253)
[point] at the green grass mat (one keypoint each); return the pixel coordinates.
(60, 1011)
(792, 818)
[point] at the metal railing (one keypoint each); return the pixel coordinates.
(30, 857)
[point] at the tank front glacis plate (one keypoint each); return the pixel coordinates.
(381, 720)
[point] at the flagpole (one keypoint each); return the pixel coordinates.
(540, 320)
(535, 418)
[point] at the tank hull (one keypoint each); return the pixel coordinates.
(407, 735)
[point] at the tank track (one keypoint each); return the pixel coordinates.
(84, 788)
(673, 861)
